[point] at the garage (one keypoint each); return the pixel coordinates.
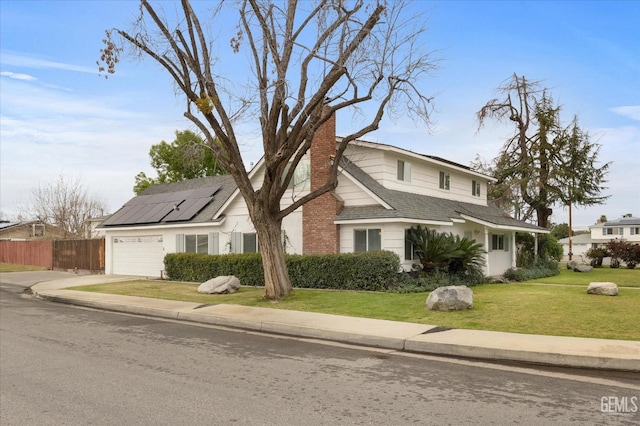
(138, 255)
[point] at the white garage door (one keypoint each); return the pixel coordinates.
(142, 256)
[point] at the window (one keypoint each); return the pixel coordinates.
(607, 231)
(620, 231)
(301, 176)
(475, 188)
(498, 242)
(404, 171)
(249, 243)
(243, 242)
(37, 230)
(367, 240)
(409, 248)
(196, 243)
(445, 180)
(634, 231)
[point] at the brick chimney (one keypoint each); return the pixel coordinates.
(319, 234)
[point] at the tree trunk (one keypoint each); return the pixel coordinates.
(544, 213)
(277, 283)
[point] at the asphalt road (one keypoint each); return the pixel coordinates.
(63, 365)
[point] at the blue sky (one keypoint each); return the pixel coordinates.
(58, 117)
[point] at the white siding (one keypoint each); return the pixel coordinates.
(425, 175)
(352, 194)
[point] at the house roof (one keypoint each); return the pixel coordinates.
(579, 239)
(423, 207)
(422, 157)
(10, 225)
(624, 221)
(192, 201)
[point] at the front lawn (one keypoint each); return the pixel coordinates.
(518, 308)
(623, 277)
(14, 267)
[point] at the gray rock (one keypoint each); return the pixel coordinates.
(583, 268)
(608, 289)
(450, 298)
(223, 284)
(572, 264)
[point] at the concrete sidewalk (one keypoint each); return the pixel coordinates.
(419, 338)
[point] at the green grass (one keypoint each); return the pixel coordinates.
(517, 308)
(623, 277)
(14, 267)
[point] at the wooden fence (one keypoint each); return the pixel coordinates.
(36, 253)
(85, 255)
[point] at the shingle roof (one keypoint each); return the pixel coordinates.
(579, 239)
(625, 220)
(225, 183)
(421, 207)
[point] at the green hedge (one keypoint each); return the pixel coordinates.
(540, 269)
(373, 271)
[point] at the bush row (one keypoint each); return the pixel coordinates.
(371, 271)
(540, 269)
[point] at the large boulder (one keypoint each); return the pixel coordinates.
(583, 268)
(220, 285)
(608, 289)
(572, 264)
(450, 298)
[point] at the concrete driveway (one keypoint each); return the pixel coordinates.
(29, 278)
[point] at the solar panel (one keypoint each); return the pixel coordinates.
(165, 207)
(187, 210)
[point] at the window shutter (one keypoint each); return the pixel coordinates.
(179, 243)
(506, 242)
(407, 172)
(490, 242)
(236, 242)
(214, 243)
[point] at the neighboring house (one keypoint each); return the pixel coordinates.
(627, 227)
(382, 192)
(29, 230)
(580, 244)
(91, 226)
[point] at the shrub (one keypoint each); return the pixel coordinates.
(616, 249)
(194, 267)
(548, 249)
(374, 271)
(540, 269)
(442, 252)
(625, 251)
(631, 255)
(597, 255)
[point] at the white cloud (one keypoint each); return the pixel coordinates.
(18, 76)
(22, 60)
(632, 111)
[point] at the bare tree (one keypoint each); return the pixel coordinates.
(309, 60)
(543, 163)
(64, 203)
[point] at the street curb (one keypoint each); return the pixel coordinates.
(408, 337)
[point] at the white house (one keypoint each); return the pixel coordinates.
(627, 228)
(382, 192)
(579, 246)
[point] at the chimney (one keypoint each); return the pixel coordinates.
(319, 234)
